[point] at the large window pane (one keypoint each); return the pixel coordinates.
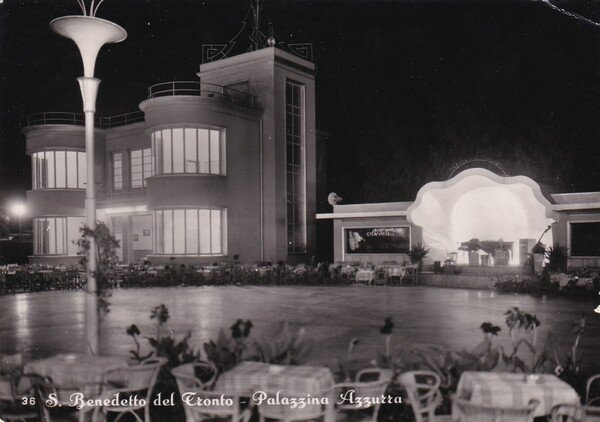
(203, 156)
(296, 222)
(215, 221)
(136, 168)
(191, 151)
(147, 160)
(51, 169)
(82, 166)
(178, 146)
(166, 149)
(61, 169)
(214, 152)
(191, 232)
(168, 230)
(71, 169)
(159, 230)
(179, 231)
(117, 170)
(204, 224)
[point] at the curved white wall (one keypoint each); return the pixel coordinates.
(480, 204)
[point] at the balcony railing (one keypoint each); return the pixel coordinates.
(78, 119)
(174, 88)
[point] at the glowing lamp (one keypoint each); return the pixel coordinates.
(18, 209)
(90, 34)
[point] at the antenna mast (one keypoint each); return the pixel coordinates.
(256, 29)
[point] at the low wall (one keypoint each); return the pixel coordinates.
(462, 281)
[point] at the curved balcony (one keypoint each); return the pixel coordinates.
(78, 119)
(199, 89)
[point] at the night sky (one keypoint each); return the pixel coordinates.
(407, 89)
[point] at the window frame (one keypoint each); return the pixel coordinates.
(164, 157)
(167, 217)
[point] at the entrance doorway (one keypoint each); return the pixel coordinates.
(134, 233)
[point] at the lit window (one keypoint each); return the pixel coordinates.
(140, 166)
(189, 150)
(191, 232)
(58, 170)
(117, 170)
(294, 113)
(56, 235)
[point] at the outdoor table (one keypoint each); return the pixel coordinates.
(364, 275)
(72, 369)
(396, 271)
(296, 380)
(510, 389)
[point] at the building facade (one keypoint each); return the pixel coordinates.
(208, 170)
(498, 218)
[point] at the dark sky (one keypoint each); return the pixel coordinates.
(406, 88)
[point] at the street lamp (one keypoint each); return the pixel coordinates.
(90, 34)
(18, 209)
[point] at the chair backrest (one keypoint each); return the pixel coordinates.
(7, 388)
(286, 412)
(10, 363)
(214, 403)
(347, 392)
(592, 391)
(136, 378)
(373, 374)
(574, 413)
(189, 380)
(472, 412)
(423, 392)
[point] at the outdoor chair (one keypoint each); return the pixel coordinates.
(285, 413)
(423, 394)
(467, 411)
(55, 401)
(187, 379)
(359, 389)
(574, 413)
(592, 391)
(11, 401)
(381, 278)
(411, 276)
(136, 381)
(208, 410)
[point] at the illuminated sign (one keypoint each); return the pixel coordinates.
(377, 240)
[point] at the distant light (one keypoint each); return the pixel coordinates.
(17, 209)
(597, 310)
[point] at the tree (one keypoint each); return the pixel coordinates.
(106, 257)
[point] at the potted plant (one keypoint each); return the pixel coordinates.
(557, 258)
(538, 253)
(473, 250)
(417, 253)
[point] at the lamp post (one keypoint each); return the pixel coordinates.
(18, 210)
(90, 34)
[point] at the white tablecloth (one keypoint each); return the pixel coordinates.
(510, 389)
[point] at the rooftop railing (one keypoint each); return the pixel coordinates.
(194, 88)
(78, 119)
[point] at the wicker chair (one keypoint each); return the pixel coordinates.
(592, 391)
(234, 413)
(56, 401)
(467, 411)
(574, 413)
(423, 393)
(136, 381)
(185, 376)
(286, 414)
(11, 405)
(349, 390)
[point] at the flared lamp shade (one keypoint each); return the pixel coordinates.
(90, 34)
